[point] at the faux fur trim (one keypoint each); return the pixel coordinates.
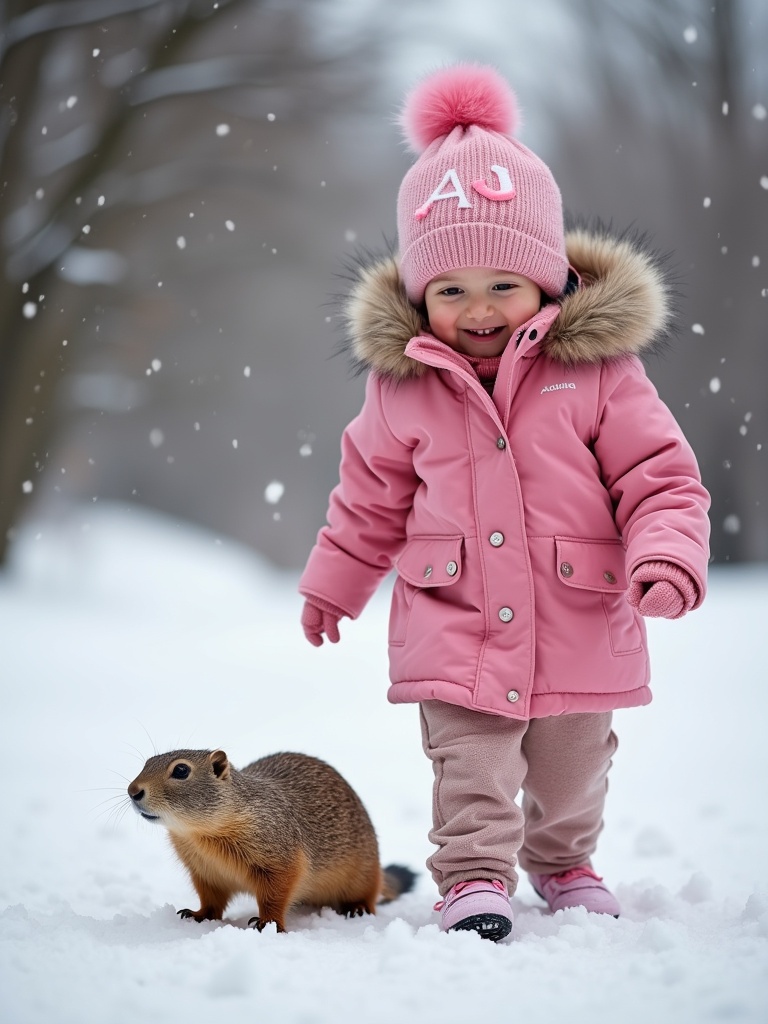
(623, 307)
(380, 321)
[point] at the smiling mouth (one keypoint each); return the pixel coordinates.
(149, 817)
(486, 332)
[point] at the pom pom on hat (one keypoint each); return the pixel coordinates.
(465, 94)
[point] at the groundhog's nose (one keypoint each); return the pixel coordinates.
(135, 793)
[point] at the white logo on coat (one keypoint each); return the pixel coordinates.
(565, 386)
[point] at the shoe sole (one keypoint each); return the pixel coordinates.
(487, 926)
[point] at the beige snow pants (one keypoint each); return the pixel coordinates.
(481, 762)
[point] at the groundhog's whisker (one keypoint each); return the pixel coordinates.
(114, 811)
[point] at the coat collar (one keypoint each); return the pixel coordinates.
(621, 308)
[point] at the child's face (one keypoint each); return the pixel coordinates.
(476, 310)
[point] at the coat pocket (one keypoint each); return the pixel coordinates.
(599, 566)
(431, 561)
(425, 562)
(592, 564)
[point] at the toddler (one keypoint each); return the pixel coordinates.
(515, 465)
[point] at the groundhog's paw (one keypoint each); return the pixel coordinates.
(196, 915)
(354, 909)
(260, 923)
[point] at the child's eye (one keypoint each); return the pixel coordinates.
(503, 286)
(451, 291)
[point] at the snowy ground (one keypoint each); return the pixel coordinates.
(122, 634)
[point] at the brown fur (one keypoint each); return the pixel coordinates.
(622, 308)
(288, 829)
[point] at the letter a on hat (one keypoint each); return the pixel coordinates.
(451, 177)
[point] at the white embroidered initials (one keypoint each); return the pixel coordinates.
(506, 190)
(458, 193)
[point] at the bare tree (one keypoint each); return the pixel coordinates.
(676, 144)
(101, 118)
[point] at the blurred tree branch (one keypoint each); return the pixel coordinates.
(677, 86)
(91, 177)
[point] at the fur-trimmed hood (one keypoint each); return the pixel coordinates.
(622, 308)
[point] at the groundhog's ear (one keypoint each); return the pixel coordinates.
(220, 764)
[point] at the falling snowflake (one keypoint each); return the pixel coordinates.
(273, 492)
(732, 524)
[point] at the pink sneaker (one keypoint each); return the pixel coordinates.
(576, 887)
(477, 906)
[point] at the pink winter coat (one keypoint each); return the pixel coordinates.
(513, 521)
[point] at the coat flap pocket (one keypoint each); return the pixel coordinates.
(431, 561)
(592, 564)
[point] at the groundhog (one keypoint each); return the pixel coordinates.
(288, 829)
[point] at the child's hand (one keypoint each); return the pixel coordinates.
(661, 590)
(320, 617)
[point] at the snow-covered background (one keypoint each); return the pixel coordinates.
(123, 634)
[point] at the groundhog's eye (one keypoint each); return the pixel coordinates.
(180, 771)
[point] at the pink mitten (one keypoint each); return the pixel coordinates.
(320, 617)
(661, 590)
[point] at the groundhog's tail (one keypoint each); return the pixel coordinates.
(395, 880)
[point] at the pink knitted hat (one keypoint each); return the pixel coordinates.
(476, 197)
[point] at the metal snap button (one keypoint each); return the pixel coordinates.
(513, 696)
(497, 539)
(609, 577)
(452, 568)
(427, 572)
(506, 614)
(566, 569)
(501, 444)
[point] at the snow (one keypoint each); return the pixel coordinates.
(124, 633)
(273, 492)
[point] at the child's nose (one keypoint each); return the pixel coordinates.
(479, 309)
